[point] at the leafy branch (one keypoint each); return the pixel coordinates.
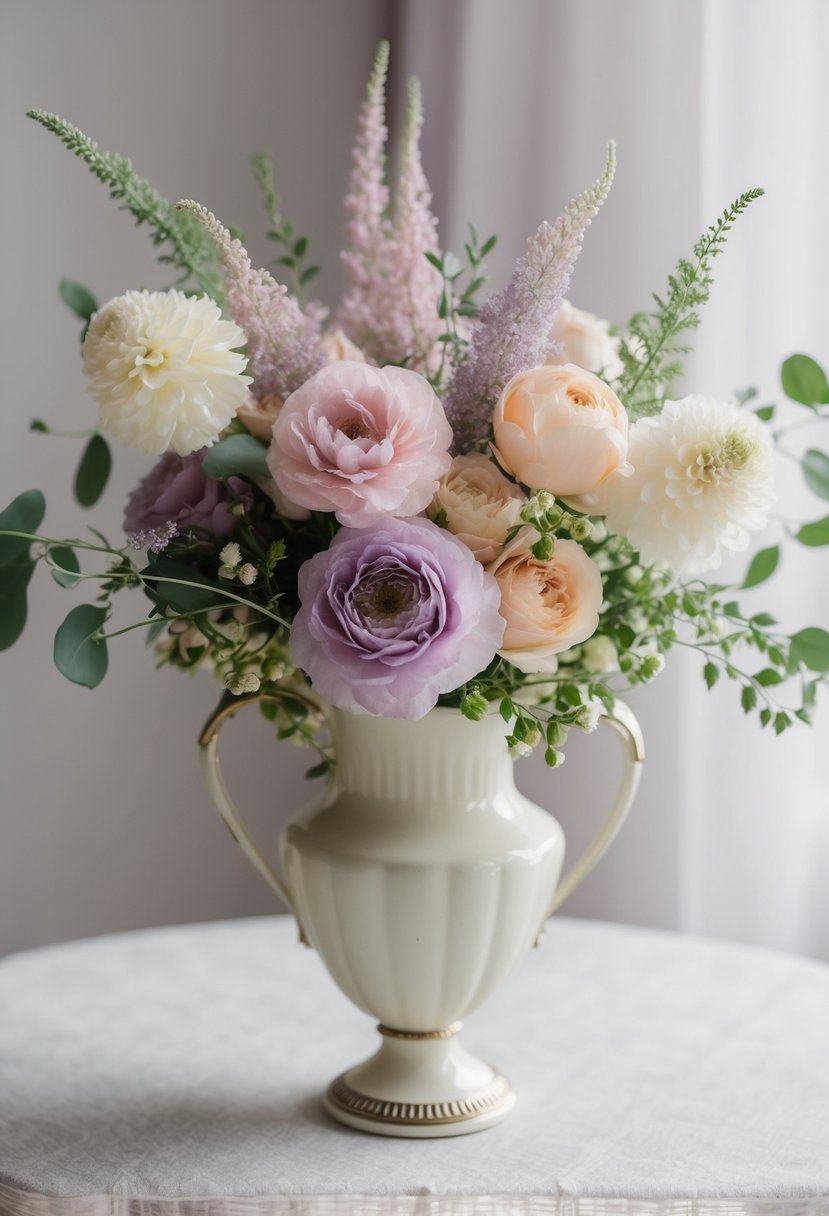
(652, 353)
(189, 248)
(281, 230)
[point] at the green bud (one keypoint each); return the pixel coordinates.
(553, 757)
(474, 705)
(580, 529)
(543, 549)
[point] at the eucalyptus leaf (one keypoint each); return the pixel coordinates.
(67, 560)
(93, 471)
(815, 465)
(79, 654)
(236, 456)
(763, 565)
(804, 380)
(24, 514)
(14, 579)
(175, 595)
(79, 298)
(811, 647)
(814, 534)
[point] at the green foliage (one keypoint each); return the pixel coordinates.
(188, 246)
(458, 299)
(804, 381)
(237, 456)
(815, 465)
(653, 352)
(93, 471)
(80, 652)
(81, 301)
(763, 565)
(811, 647)
(64, 565)
(280, 230)
(24, 514)
(815, 534)
(177, 586)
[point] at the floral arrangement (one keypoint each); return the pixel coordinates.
(422, 500)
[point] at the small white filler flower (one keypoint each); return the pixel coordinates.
(702, 481)
(163, 369)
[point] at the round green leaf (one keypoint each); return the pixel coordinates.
(236, 456)
(815, 534)
(811, 647)
(79, 654)
(65, 558)
(763, 566)
(804, 380)
(14, 579)
(93, 471)
(815, 465)
(79, 298)
(25, 514)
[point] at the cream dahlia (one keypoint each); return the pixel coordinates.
(163, 369)
(702, 481)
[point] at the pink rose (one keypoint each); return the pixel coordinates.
(548, 606)
(478, 503)
(364, 442)
(560, 428)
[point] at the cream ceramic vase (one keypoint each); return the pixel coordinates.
(422, 877)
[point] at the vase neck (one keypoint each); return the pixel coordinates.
(441, 757)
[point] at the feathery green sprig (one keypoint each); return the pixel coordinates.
(652, 353)
(189, 246)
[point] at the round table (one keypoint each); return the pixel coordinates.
(179, 1072)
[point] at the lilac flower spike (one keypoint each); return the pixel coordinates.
(513, 333)
(283, 343)
(390, 305)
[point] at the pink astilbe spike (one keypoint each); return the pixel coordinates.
(390, 304)
(283, 342)
(513, 332)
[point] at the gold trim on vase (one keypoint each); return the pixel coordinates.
(419, 1114)
(390, 1032)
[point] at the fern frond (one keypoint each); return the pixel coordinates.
(189, 248)
(652, 353)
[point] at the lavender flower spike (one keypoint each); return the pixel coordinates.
(513, 333)
(283, 343)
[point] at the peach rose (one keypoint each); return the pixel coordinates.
(336, 346)
(479, 503)
(259, 414)
(584, 339)
(560, 428)
(548, 606)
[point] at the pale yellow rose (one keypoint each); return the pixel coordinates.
(560, 428)
(479, 503)
(336, 346)
(259, 414)
(584, 339)
(548, 606)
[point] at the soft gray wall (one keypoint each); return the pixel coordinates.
(103, 822)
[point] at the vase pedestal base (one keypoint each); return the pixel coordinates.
(420, 1085)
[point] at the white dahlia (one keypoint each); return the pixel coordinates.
(163, 369)
(702, 480)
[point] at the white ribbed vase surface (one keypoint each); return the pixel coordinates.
(421, 876)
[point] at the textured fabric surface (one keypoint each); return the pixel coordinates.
(187, 1064)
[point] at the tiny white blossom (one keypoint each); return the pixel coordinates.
(247, 574)
(231, 555)
(242, 682)
(599, 655)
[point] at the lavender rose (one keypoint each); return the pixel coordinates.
(177, 491)
(393, 616)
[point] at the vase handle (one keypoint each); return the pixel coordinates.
(209, 749)
(624, 722)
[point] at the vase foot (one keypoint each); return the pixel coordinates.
(420, 1085)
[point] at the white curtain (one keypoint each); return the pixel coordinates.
(730, 835)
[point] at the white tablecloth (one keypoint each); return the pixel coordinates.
(178, 1072)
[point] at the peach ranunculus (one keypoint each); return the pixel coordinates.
(560, 428)
(335, 346)
(259, 414)
(364, 442)
(479, 504)
(548, 606)
(584, 339)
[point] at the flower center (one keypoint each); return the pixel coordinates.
(581, 397)
(355, 428)
(386, 598)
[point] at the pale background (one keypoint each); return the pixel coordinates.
(103, 822)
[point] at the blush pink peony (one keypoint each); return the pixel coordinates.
(361, 441)
(561, 429)
(548, 606)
